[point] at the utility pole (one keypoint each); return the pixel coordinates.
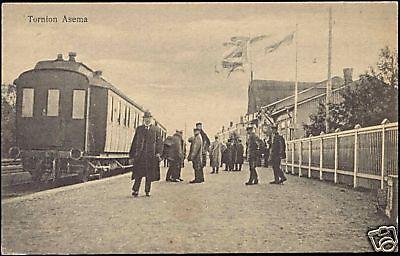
(329, 82)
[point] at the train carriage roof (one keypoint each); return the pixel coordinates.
(94, 78)
(81, 68)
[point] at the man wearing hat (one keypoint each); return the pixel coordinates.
(277, 153)
(195, 155)
(252, 145)
(206, 143)
(145, 152)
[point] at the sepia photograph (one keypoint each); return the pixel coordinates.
(209, 127)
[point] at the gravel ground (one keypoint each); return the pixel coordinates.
(220, 215)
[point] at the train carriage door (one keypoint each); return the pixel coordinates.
(48, 129)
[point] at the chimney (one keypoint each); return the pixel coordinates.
(348, 75)
(72, 56)
(59, 57)
(98, 73)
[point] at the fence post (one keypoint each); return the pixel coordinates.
(336, 158)
(300, 157)
(383, 157)
(287, 153)
(320, 157)
(309, 158)
(355, 158)
(293, 157)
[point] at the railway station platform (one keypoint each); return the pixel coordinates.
(220, 215)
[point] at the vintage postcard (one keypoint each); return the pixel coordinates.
(199, 127)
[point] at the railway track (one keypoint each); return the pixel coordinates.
(11, 166)
(17, 182)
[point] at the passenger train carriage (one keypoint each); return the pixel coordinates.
(72, 122)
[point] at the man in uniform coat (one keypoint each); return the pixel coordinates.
(206, 143)
(145, 153)
(195, 155)
(239, 155)
(252, 150)
(277, 153)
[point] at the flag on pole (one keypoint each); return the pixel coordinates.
(235, 58)
(285, 41)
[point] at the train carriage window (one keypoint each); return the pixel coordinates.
(78, 104)
(129, 116)
(134, 124)
(119, 112)
(112, 109)
(27, 102)
(53, 99)
(125, 113)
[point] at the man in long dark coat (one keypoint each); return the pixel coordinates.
(252, 150)
(277, 153)
(239, 155)
(145, 152)
(206, 143)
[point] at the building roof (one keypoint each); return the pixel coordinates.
(264, 92)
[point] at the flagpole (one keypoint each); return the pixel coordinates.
(250, 59)
(329, 83)
(295, 91)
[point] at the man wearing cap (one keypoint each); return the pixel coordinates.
(145, 152)
(206, 143)
(277, 152)
(252, 145)
(195, 155)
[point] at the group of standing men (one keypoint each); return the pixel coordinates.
(148, 149)
(276, 153)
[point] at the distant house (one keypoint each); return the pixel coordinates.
(277, 98)
(264, 92)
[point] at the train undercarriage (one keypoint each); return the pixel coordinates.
(52, 166)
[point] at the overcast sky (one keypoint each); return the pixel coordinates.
(163, 55)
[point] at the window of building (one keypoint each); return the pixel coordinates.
(78, 104)
(27, 102)
(53, 99)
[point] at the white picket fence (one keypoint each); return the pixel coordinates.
(369, 152)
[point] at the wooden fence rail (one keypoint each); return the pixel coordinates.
(369, 153)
